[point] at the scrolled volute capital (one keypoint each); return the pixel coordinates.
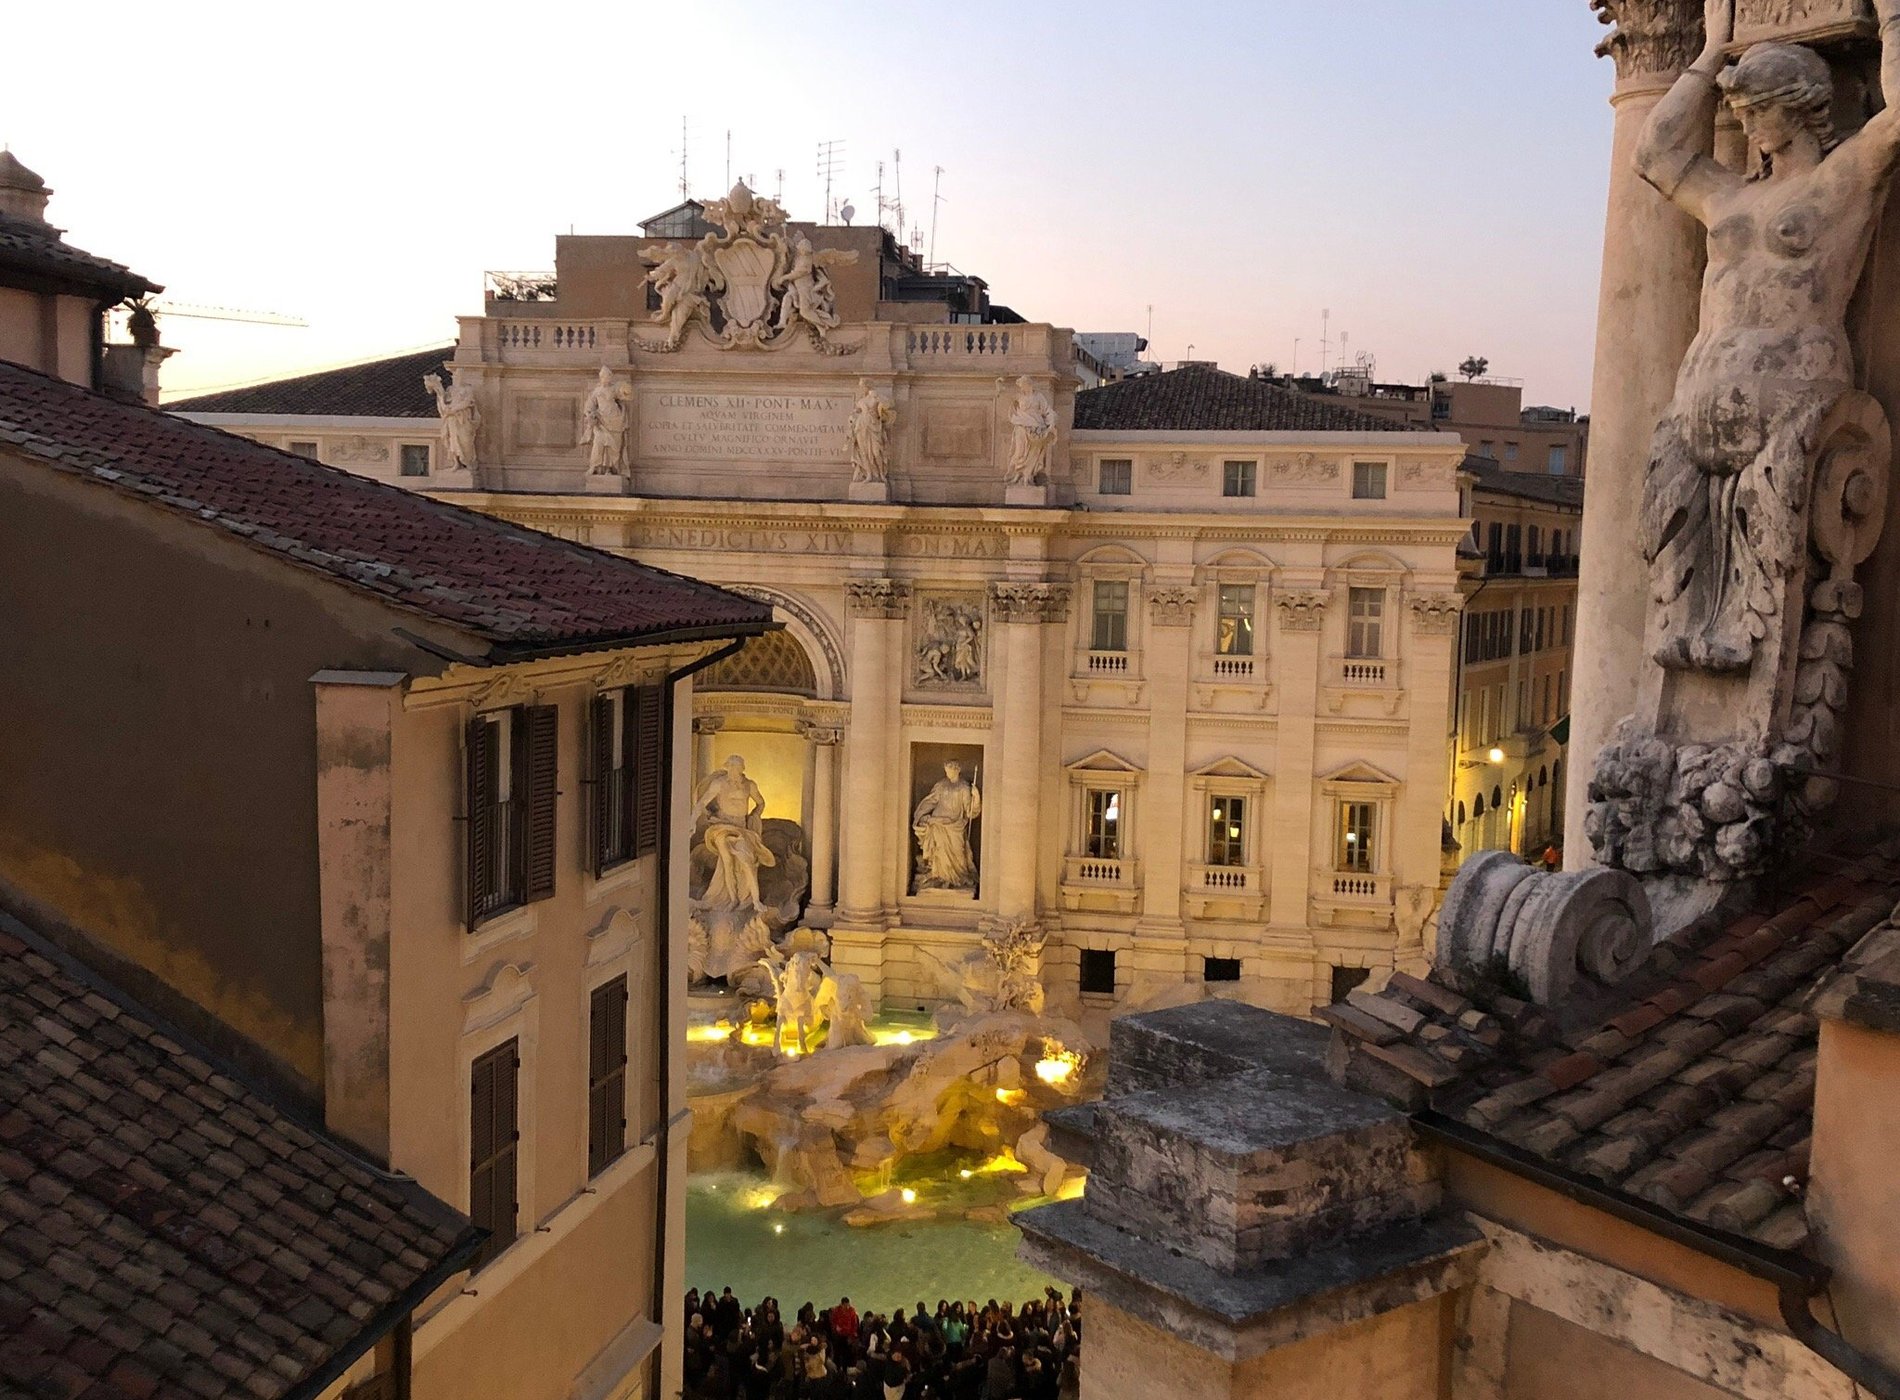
(1650, 38)
(1436, 614)
(1302, 609)
(877, 597)
(1171, 607)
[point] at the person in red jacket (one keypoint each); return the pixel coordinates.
(844, 1329)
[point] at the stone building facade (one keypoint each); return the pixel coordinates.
(1189, 638)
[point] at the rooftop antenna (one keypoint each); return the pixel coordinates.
(936, 202)
(1150, 337)
(830, 153)
(1325, 322)
(897, 180)
(683, 157)
(877, 195)
(728, 157)
(778, 194)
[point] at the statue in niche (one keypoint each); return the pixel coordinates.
(1725, 495)
(870, 427)
(461, 421)
(950, 651)
(1034, 436)
(604, 421)
(941, 825)
(732, 807)
(682, 277)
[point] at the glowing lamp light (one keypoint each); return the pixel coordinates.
(966, 1173)
(1056, 1069)
(778, 1229)
(1496, 755)
(910, 1196)
(1009, 1096)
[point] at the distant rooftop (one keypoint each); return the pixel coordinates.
(1529, 486)
(521, 591)
(390, 388)
(1201, 398)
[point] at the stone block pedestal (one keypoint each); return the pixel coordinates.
(601, 484)
(869, 492)
(1026, 496)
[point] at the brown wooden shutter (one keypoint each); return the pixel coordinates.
(607, 1075)
(492, 1136)
(541, 723)
(480, 817)
(600, 797)
(647, 745)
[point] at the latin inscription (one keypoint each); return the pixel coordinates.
(740, 541)
(745, 427)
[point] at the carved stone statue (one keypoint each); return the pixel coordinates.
(461, 421)
(732, 806)
(604, 422)
(1725, 494)
(796, 983)
(941, 824)
(1034, 436)
(950, 647)
(807, 298)
(843, 1005)
(1004, 974)
(682, 276)
(870, 428)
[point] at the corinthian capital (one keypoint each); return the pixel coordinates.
(877, 597)
(1652, 38)
(1029, 602)
(1436, 614)
(1171, 607)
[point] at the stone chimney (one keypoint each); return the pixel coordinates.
(22, 193)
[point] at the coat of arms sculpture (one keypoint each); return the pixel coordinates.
(756, 286)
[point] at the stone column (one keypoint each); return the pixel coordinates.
(704, 759)
(1014, 801)
(876, 610)
(1162, 806)
(1653, 257)
(824, 818)
(1417, 839)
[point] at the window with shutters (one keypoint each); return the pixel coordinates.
(628, 746)
(511, 809)
(606, 1075)
(494, 1138)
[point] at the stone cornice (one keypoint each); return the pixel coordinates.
(1651, 38)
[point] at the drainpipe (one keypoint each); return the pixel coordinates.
(663, 917)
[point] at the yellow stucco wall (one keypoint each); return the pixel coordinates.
(1551, 1359)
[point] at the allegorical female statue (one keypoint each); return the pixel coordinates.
(604, 421)
(1725, 497)
(870, 430)
(461, 421)
(1033, 424)
(941, 824)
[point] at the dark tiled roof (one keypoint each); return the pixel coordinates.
(1693, 1089)
(37, 250)
(1199, 398)
(519, 589)
(389, 388)
(1529, 486)
(166, 1231)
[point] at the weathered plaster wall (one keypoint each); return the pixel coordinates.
(1400, 1355)
(161, 775)
(1551, 1359)
(1855, 1196)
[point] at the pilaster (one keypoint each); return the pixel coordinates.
(1163, 808)
(1288, 838)
(1020, 610)
(877, 608)
(825, 740)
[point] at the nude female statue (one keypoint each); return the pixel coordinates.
(1726, 491)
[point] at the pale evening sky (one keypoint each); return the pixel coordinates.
(1432, 171)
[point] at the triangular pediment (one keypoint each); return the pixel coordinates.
(1359, 771)
(1102, 761)
(1229, 767)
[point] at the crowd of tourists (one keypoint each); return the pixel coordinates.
(958, 1352)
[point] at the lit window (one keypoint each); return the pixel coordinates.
(1103, 839)
(1234, 626)
(1109, 631)
(1115, 478)
(1237, 479)
(1227, 831)
(415, 459)
(1355, 836)
(1365, 622)
(1368, 481)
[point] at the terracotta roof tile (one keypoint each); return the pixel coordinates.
(1199, 398)
(386, 388)
(148, 1278)
(518, 589)
(36, 249)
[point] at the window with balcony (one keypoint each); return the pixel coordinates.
(627, 746)
(1227, 831)
(415, 459)
(1238, 478)
(1102, 824)
(1365, 623)
(510, 809)
(1115, 477)
(1368, 481)
(1355, 851)
(1233, 634)
(1108, 622)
